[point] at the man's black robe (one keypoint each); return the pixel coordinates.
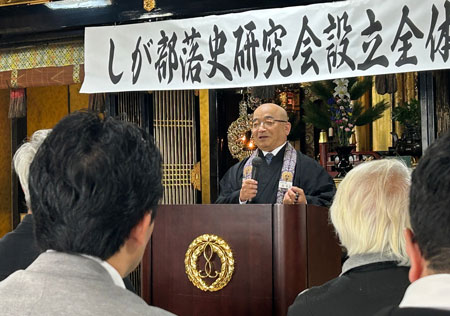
(317, 184)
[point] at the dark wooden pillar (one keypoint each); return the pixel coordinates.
(18, 135)
(427, 103)
(213, 146)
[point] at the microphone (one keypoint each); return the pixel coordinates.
(256, 164)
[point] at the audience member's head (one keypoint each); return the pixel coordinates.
(24, 156)
(428, 243)
(370, 209)
(95, 184)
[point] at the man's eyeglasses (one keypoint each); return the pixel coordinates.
(268, 122)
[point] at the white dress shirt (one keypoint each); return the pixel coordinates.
(273, 152)
(115, 276)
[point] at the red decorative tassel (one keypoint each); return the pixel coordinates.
(17, 103)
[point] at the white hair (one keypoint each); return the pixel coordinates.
(370, 209)
(24, 156)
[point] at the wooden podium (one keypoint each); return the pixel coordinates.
(278, 252)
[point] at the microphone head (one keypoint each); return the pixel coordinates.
(257, 162)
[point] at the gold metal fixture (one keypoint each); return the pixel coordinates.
(207, 246)
(149, 5)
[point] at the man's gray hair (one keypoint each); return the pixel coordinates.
(370, 209)
(24, 156)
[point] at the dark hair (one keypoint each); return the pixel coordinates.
(430, 204)
(91, 182)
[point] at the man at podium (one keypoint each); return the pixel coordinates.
(276, 173)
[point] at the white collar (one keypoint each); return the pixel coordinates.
(273, 152)
(364, 259)
(428, 292)
(115, 276)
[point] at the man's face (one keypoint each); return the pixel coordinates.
(270, 127)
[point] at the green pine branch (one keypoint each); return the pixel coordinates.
(408, 113)
(371, 114)
(359, 87)
(351, 82)
(317, 113)
(322, 90)
(357, 109)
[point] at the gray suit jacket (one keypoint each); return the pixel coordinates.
(70, 285)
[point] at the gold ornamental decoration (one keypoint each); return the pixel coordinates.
(207, 246)
(196, 176)
(237, 136)
(17, 2)
(240, 142)
(149, 5)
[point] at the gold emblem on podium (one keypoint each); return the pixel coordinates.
(200, 264)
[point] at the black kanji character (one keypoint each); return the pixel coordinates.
(277, 32)
(342, 29)
(218, 49)
(247, 55)
(167, 56)
(443, 44)
(193, 60)
(305, 37)
(404, 58)
(374, 26)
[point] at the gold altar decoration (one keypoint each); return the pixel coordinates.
(17, 2)
(237, 137)
(196, 176)
(207, 246)
(205, 145)
(42, 56)
(289, 97)
(337, 181)
(51, 55)
(240, 143)
(149, 5)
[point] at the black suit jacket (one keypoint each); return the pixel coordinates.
(18, 249)
(363, 290)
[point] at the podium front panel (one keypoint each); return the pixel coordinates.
(247, 230)
(278, 251)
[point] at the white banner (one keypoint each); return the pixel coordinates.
(267, 47)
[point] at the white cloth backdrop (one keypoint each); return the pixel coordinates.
(273, 46)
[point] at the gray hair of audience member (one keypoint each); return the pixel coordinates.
(24, 156)
(370, 209)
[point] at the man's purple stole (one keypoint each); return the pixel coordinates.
(287, 171)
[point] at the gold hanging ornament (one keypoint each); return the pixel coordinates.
(149, 5)
(240, 143)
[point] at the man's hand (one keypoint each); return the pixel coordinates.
(248, 190)
(294, 195)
